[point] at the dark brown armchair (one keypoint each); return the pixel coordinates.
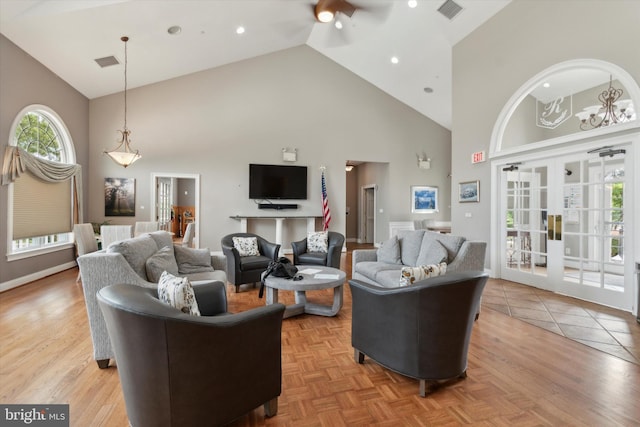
(331, 258)
(247, 269)
(422, 330)
(182, 370)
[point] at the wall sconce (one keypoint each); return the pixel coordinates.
(289, 154)
(348, 168)
(424, 162)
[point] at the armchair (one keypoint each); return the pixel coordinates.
(85, 241)
(247, 269)
(422, 330)
(176, 369)
(114, 233)
(331, 258)
(142, 227)
(189, 234)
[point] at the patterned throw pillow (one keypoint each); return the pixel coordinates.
(410, 275)
(317, 241)
(246, 246)
(178, 293)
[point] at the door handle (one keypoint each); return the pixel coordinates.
(554, 231)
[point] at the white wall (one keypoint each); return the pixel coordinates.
(490, 64)
(218, 121)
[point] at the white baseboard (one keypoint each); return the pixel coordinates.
(19, 281)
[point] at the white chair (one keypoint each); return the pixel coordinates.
(189, 233)
(142, 227)
(114, 233)
(85, 240)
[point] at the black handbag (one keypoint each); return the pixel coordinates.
(280, 268)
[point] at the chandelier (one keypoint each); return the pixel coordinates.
(612, 110)
(123, 154)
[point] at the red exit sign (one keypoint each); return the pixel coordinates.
(478, 157)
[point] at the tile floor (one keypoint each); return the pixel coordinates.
(612, 331)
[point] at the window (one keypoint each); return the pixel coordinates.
(39, 131)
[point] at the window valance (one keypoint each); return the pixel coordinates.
(17, 161)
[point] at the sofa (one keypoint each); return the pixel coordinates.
(413, 248)
(140, 261)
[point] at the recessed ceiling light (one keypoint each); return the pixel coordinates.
(240, 30)
(338, 24)
(394, 60)
(546, 84)
(428, 90)
(413, 3)
(175, 30)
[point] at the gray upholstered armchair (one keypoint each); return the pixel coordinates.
(422, 330)
(247, 269)
(331, 258)
(181, 370)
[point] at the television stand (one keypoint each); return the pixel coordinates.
(279, 222)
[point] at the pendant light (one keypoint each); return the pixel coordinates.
(123, 154)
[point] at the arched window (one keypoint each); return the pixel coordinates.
(40, 213)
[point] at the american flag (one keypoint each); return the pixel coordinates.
(326, 212)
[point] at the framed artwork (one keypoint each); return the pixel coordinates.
(424, 199)
(119, 197)
(469, 192)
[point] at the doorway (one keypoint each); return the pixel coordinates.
(368, 214)
(563, 224)
(170, 193)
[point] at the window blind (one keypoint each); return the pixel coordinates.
(40, 208)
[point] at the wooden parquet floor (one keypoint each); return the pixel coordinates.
(519, 374)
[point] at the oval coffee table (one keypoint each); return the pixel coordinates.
(322, 278)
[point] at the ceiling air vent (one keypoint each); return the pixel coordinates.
(107, 61)
(450, 9)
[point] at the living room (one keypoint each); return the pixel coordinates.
(217, 121)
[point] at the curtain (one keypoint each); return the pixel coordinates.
(17, 162)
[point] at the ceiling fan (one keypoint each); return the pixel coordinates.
(327, 11)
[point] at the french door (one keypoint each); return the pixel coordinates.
(563, 225)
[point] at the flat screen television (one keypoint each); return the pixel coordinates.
(277, 182)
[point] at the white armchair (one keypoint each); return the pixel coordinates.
(114, 233)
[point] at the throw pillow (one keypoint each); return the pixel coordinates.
(389, 252)
(161, 261)
(317, 241)
(432, 253)
(178, 292)
(246, 246)
(410, 275)
(136, 251)
(192, 260)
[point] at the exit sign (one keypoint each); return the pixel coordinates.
(477, 157)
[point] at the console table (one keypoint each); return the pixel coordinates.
(279, 222)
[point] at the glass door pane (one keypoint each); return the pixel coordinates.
(525, 222)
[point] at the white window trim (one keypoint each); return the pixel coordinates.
(68, 156)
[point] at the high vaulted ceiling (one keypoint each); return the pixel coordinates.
(68, 35)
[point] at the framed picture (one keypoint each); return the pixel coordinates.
(469, 192)
(119, 197)
(424, 199)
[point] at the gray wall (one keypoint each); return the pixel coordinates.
(218, 121)
(23, 82)
(494, 61)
